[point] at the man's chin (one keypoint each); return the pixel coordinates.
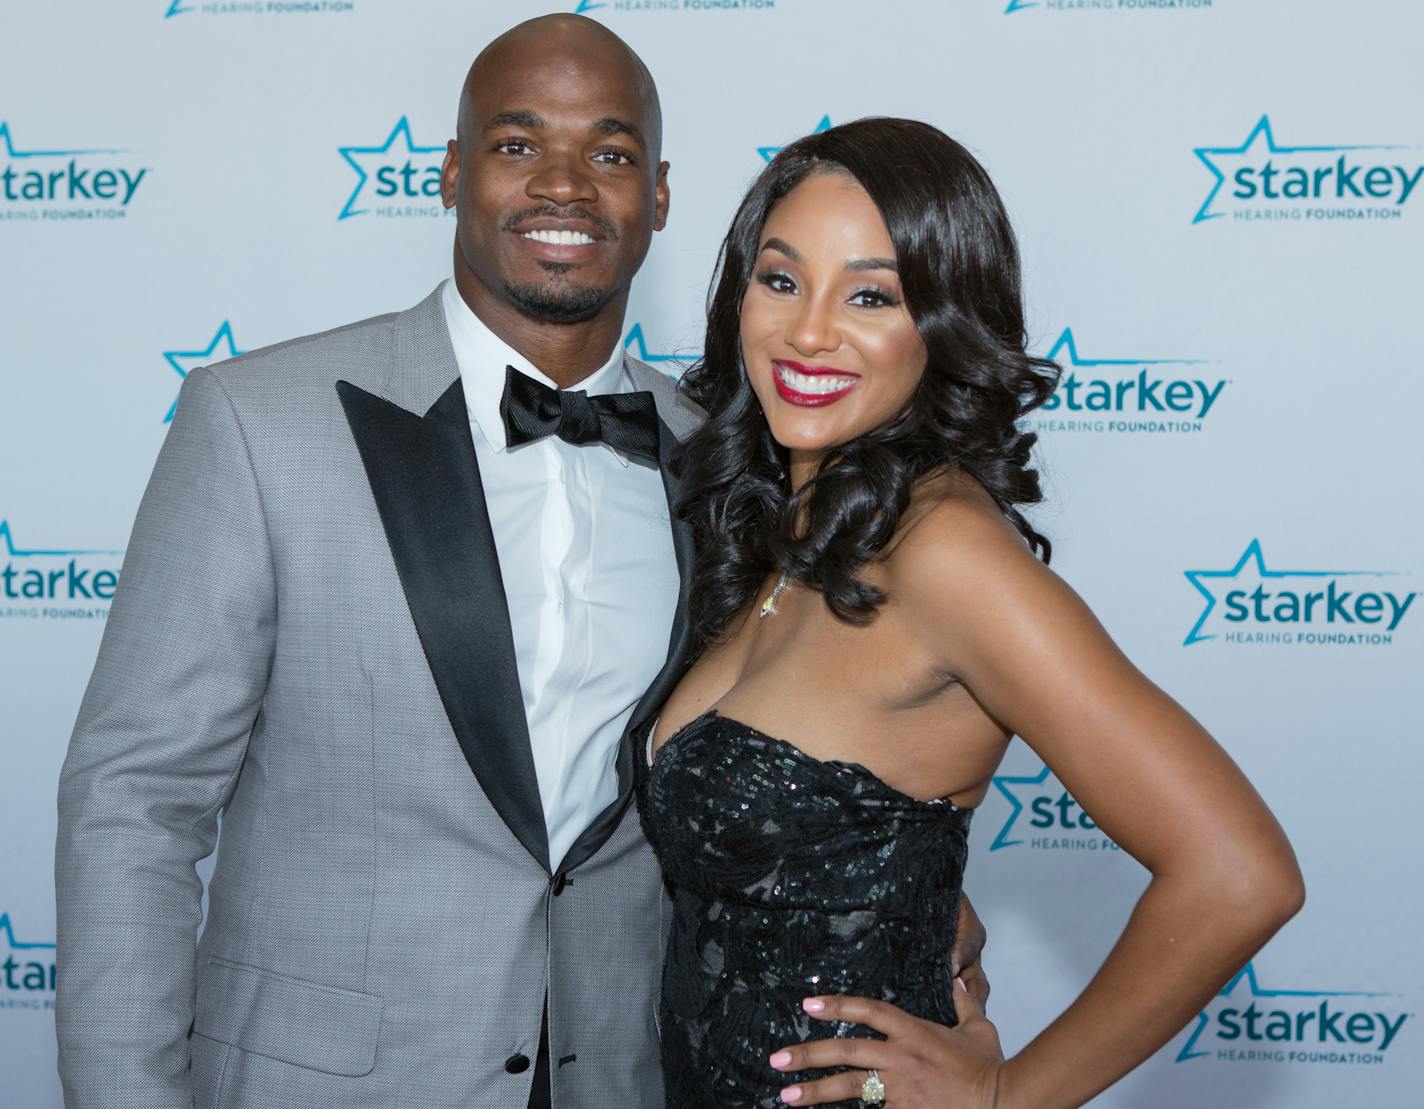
(557, 303)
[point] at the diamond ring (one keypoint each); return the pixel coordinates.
(872, 1090)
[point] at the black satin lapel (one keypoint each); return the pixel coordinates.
(679, 657)
(426, 482)
(680, 642)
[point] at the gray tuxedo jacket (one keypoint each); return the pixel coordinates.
(311, 639)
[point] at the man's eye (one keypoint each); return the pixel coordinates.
(513, 146)
(614, 157)
(777, 282)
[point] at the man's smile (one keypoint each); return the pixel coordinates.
(554, 239)
(560, 238)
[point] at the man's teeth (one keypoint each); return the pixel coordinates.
(814, 384)
(560, 238)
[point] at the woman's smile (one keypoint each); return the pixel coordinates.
(811, 386)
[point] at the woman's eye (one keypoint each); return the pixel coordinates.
(777, 282)
(872, 298)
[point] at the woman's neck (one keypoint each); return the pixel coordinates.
(803, 467)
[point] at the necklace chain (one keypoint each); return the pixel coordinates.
(768, 606)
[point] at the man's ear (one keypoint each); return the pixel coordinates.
(450, 174)
(660, 191)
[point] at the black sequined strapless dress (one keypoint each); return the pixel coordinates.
(790, 877)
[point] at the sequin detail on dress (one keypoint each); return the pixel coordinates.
(790, 876)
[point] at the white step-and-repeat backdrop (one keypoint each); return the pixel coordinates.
(1221, 206)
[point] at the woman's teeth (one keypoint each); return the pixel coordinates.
(560, 238)
(814, 384)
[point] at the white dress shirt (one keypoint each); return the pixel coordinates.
(585, 550)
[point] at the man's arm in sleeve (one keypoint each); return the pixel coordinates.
(155, 753)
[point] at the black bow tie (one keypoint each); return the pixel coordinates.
(627, 422)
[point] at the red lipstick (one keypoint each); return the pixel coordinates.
(785, 373)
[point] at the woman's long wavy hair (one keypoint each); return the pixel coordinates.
(958, 263)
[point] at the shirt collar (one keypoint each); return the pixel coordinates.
(482, 356)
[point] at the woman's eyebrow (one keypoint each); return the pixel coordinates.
(782, 247)
(858, 264)
(855, 265)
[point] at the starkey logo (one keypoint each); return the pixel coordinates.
(396, 179)
(1260, 179)
(1043, 816)
(672, 7)
(1252, 604)
(175, 8)
(769, 152)
(68, 184)
(182, 362)
(28, 973)
(1128, 395)
(1249, 1023)
(1075, 7)
(55, 584)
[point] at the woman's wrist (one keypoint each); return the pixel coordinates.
(997, 1085)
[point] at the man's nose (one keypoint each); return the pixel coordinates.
(562, 179)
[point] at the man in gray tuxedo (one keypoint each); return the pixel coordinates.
(395, 600)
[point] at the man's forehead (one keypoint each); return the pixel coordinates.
(570, 82)
(534, 76)
(563, 106)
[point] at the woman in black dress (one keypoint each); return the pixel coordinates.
(878, 619)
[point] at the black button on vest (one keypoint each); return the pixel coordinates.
(517, 1064)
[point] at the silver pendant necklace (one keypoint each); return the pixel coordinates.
(768, 606)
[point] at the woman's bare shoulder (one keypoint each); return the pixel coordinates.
(954, 528)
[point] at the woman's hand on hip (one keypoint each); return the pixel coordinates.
(921, 1063)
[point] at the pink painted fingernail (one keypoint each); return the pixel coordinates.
(791, 1094)
(781, 1059)
(960, 983)
(813, 1005)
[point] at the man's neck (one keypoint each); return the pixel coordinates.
(565, 353)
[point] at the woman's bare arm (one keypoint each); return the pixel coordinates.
(1224, 878)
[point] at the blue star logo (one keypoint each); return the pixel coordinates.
(770, 152)
(637, 345)
(17, 552)
(1067, 344)
(175, 8)
(352, 153)
(1261, 132)
(1005, 784)
(1247, 974)
(8, 930)
(8, 146)
(184, 360)
(1252, 557)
